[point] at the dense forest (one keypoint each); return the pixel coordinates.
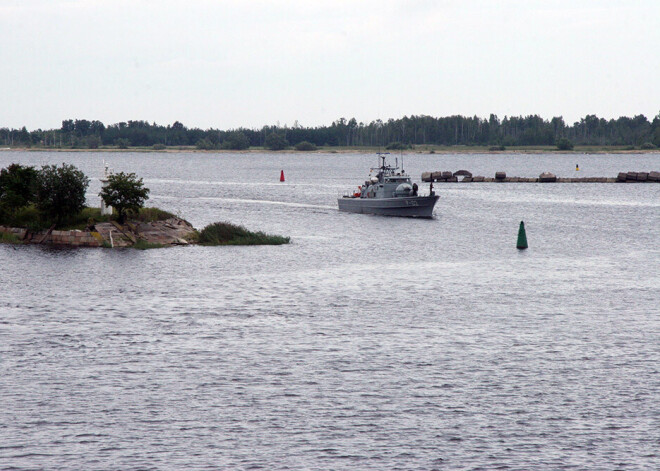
(410, 131)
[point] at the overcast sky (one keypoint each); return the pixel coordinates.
(233, 63)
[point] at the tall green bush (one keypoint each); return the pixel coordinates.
(60, 191)
(17, 187)
(564, 144)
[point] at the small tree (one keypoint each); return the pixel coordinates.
(122, 143)
(276, 141)
(60, 191)
(564, 144)
(236, 140)
(93, 141)
(17, 187)
(124, 192)
(205, 144)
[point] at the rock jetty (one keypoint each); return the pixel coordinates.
(466, 176)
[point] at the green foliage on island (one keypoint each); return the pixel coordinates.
(224, 233)
(60, 191)
(55, 195)
(305, 146)
(564, 144)
(17, 187)
(125, 192)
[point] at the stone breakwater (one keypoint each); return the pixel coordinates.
(172, 231)
(546, 177)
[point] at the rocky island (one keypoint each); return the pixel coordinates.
(47, 206)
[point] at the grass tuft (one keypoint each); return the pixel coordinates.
(9, 238)
(144, 245)
(224, 233)
(151, 215)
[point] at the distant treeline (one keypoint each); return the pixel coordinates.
(408, 131)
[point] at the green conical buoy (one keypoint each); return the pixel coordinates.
(522, 237)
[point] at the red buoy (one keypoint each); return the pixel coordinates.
(282, 175)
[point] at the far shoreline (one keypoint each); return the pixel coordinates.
(421, 149)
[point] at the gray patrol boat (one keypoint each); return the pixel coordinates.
(389, 192)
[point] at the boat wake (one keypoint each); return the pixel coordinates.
(249, 201)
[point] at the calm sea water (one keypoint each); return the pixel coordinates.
(367, 343)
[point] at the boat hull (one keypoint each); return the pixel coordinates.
(409, 206)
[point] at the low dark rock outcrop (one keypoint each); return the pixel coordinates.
(547, 177)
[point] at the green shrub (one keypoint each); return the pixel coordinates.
(276, 141)
(236, 140)
(93, 142)
(17, 187)
(60, 191)
(647, 146)
(85, 218)
(205, 144)
(122, 143)
(396, 146)
(159, 146)
(564, 144)
(224, 233)
(496, 148)
(305, 146)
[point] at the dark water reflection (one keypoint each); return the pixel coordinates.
(367, 343)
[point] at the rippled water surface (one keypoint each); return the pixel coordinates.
(367, 343)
